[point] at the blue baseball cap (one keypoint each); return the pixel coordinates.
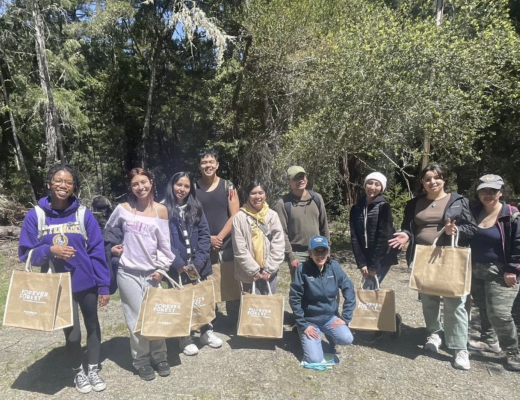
(318, 241)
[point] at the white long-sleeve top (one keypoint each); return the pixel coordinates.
(146, 241)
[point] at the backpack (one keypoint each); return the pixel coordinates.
(287, 202)
(80, 218)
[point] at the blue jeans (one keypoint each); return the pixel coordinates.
(312, 350)
(370, 282)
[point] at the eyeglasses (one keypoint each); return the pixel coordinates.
(59, 182)
(320, 252)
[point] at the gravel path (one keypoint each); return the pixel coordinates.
(33, 364)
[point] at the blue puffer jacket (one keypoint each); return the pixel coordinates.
(313, 294)
(200, 243)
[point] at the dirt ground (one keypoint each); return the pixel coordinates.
(33, 364)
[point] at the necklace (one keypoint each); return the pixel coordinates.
(434, 204)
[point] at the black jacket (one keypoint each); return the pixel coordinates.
(112, 237)
(370, 231)
(510, 234)
(457, 209)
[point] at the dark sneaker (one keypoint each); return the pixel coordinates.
(513, 360)
(97, 383)
(146, 373)
(163, 368)
(82, 382)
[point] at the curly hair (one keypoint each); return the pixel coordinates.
(63, 167)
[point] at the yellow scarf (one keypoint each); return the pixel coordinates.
(257, 235)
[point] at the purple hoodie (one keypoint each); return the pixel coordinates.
(88, 267)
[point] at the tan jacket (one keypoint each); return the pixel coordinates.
(274, 251)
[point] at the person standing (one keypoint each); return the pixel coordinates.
(371, 227)
(62, 234)
(495, 255)
(302, 214)
(436, 209)
(220, 203)
(190, 240)
(258, 242)
(146, 249)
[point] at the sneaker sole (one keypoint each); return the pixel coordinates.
(84, 391)
(164, 374)
(147, 377)
(99, 388)
(484, 350)
(461, 367)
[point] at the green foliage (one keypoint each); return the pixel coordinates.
(397, 197)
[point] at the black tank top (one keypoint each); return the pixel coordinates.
(215, 206)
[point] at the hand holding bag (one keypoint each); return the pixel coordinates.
(165, 313)
(39, 301)
(203, 303)
(442, 270)
(375, 309)
(261, 316)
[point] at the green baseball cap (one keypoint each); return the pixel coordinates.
(295, 170)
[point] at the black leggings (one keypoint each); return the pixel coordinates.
(88, 302)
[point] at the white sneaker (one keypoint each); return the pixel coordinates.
(433, 342)
(187, 346)
(484, 346)
(461, 360)
(211, 339)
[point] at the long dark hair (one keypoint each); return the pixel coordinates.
(193, 212)
(438, 170)
(140, 171)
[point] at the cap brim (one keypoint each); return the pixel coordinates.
(489, 185)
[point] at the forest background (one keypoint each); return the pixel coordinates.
(341, 87)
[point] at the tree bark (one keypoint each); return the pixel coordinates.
(351, 183)
(51, 119)
(149, 99)
(19, 153)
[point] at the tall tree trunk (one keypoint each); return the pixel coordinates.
(351, 185)
(149, 100)
(52, 126)
(19, 153)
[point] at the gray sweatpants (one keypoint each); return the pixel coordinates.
(132, 286)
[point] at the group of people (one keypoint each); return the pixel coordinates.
(201, 223)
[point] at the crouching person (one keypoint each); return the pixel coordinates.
(314, 301)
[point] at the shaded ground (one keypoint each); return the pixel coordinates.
(33, 364)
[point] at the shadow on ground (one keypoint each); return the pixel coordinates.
(48, 375)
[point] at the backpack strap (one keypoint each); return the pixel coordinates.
(287, 202)
(80, 218)
(40, 215)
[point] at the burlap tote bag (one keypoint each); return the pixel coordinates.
(203, 303)
(442, 270)
(226, 286)
(375, 310)
(165, 313)
(39, 301)
(261, 316)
